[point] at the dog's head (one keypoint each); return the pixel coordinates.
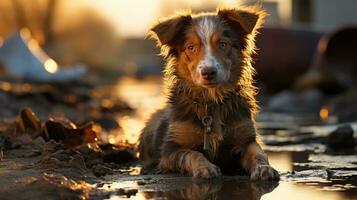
(209, 49)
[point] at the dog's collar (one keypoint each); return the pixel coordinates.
(206, 121)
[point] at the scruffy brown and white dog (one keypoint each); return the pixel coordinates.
(208, 124)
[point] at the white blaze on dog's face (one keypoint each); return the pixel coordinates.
(206, 52)
(208, 47)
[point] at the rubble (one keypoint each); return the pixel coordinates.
(342, 137)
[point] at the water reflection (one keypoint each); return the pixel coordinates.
(215, 190)
(146, 96)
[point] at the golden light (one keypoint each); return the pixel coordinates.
(6, 86)
(26, 87)
(131, 128)
(25, 33)
(111, 139)
(51, 66)
(33, 45)
(324, 113)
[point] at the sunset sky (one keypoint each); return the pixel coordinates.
(134, 17)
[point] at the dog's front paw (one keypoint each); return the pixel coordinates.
(264, 173)
(207, 171)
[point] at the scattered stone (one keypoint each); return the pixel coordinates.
(128, 193)
(118, 156)
(91, 150)
(29, 123)
(101, 170)
(1, 154)
(107, 122)
(68, 134)
(5, 142)
(33, 153)
(141, 183)
(330, 162)
(330, 173)
(77, 161)
(100, 185)
(342, 137)
(93, 162)
(51, 147)
(39, 142)
(52, 162)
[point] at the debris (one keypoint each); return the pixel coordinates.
(39, 142)
(128, 193)
(108, 123)
(77, 161)
(330, 162)
(117, 154)
(28, 122)
(5, 142)
(68, 133)
(101, 170)
(51, 147)
(342, 137)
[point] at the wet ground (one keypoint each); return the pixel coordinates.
(299, 147)
(309, 168)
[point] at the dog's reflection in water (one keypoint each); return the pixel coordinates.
(231, 189)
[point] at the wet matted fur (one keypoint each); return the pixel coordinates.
(208, 72)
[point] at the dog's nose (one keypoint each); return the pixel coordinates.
(209, 73)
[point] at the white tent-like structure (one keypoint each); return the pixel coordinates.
(23, 58)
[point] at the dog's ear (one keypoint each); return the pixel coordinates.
(249, 18)
(170, 31)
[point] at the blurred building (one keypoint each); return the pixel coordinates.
(324, 14)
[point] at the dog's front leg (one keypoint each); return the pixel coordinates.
(253, 158)
(256, 163)
(187, 161)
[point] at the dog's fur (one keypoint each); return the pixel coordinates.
(172, 140)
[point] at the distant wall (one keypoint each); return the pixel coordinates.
(329, 14)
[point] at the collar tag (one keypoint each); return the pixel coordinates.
(207, 123)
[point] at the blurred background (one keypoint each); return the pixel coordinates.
(306, 63)
(90, 61)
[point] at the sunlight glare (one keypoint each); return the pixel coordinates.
(51, 66)
(324, 113)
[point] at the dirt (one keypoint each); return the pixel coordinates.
(32, 168)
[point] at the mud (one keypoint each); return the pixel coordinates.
(32, 168)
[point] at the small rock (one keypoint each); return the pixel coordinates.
(39, 141)
(90, 150)
(77, 161)
(108, 123)
(52, 162)
(128, 193)
(117, 154)
(51, 147)
(5, 142)
(68, 134)
(28, 122)
(140, 183)
(330, 173)
(93, 162)
(32, 153)
(101, 170)
(1, 154)
(342, 137)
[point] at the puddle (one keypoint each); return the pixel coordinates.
(292, 160)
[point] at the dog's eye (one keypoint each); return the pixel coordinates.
(222, 44)
(191, 48)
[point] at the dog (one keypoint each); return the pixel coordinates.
(208, 124)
